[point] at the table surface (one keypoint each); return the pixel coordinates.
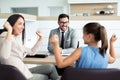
(48, 59)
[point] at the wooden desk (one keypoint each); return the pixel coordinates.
(47, 60)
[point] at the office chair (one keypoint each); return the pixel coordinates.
(1, 30)
(8, 72)
(90, 74)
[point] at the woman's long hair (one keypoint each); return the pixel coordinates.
(12, 20)
(99, 33)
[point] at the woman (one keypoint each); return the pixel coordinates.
(91, 56)
(12, 52)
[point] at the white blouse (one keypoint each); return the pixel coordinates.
(12, 53)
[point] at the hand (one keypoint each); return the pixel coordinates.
(7, 26)
(39, 33)
(54, 39)
(113, 38)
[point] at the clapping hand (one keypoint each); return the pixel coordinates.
(55, 42)
(7, 26)
(39, 33)
(113, 38)
(54, 39)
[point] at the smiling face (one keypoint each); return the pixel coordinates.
(63, 23)
(18, 26)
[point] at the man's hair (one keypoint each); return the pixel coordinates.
(63, 16)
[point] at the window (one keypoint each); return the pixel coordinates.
(26, 10)
(55, 11)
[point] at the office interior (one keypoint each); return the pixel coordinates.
(42, 15)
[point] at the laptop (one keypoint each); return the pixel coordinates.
(39, 54)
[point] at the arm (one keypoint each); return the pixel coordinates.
(6, 42)
(36, 46)
(50, 47)
(111, 57)
(69, 60)
(8, 27)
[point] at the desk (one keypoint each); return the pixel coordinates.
(47, 60)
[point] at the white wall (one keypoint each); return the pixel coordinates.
(118, 8)
(42, 5)
(6, 5)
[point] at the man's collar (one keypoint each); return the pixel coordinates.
(64, 31)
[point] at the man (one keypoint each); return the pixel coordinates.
(68, 39)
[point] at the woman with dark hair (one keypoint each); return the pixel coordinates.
(91, 56)
(12, 52)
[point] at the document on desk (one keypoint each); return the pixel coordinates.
(63, 53)
(66, 52)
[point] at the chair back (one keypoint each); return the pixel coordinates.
(8, 72)
(90, 74)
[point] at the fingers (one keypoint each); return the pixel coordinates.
(113, 35)
(7, 26)
(54, 38)
(113, 38)
(39, 33)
